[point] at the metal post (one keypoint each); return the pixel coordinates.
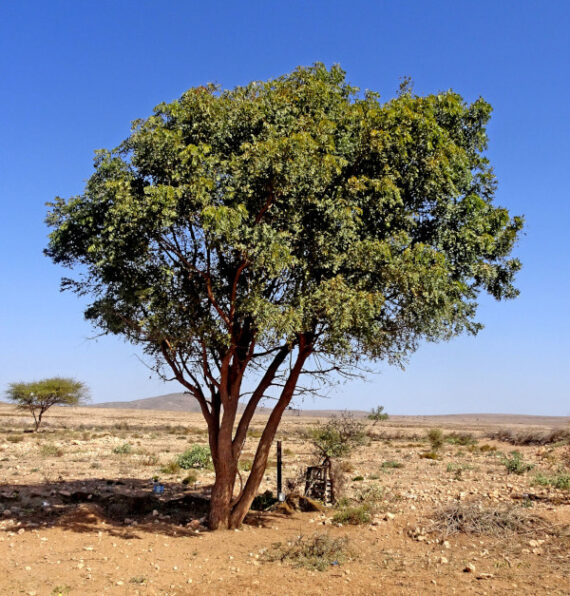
(280, 494)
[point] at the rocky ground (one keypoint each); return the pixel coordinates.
(78, 514)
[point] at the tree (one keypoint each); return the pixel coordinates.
(255, 237)
(377, 414)
(39, 396)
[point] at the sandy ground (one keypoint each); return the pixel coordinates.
(78, 516)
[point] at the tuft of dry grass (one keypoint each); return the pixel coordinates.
(318, 552)
(475, 519)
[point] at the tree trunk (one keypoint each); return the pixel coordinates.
(221, 500)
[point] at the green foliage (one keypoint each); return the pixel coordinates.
(354, 516)
(392, 464)
(317, 552)
(39, 396)
(561, 481)
(435, 437)
(370, 222)
(195, 457)
(123, 449)
(464, 439)
(358, 479)
(515, 464)
(263, 501)
(338, 436)
(377, 414)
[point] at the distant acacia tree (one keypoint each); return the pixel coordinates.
(39, 396)
(377, 414)
(256, 237)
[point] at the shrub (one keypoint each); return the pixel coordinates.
(123, 449)
(515, 464)
(354, 516)
(197, 456)
(392, 464)
(318, 552)
(377, 414)
(429, 455)
(562, 481)
(474, 519)
(51, 450)
(172, 467)
(358, 479)
(435, 437)
(263, 501)
(191, 478)
(338, 436)
(464, 439)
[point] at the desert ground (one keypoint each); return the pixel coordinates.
(78, 514)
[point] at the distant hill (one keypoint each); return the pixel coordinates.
(173, 402)
(183, 402)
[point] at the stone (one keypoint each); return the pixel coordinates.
(469, 568)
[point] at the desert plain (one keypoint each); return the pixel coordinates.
(78, 514)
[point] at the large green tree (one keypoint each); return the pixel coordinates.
(281, 229)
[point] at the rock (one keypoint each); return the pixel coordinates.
(469, 568)
(443, 561)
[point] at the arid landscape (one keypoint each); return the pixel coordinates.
(78, 514)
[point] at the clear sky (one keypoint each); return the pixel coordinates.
(73, 76)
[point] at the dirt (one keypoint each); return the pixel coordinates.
(78, 514)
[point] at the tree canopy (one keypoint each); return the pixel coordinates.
(284, 225)
(39, 396)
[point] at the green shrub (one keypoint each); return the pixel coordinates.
(515, 464)
(377, 414)
(435, 437)
(197, 456)
(562, 481)
(464, 439)
(358, 479)
(263, 501)
(123, 449)
(338, 436)
(392, 464)
(354, 516)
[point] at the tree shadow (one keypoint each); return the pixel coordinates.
(125, 507)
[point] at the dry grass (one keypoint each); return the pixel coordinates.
(319, 552)
(530, 437)
(475, 519)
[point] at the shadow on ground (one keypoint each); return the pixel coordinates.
(124, 507)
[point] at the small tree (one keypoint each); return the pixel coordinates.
(337, 437)
(39, 396)
(377, 414)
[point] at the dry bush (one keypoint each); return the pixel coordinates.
(316, 552)
(474, 519)
(530, 437)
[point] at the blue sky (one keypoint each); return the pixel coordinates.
(75, 74)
